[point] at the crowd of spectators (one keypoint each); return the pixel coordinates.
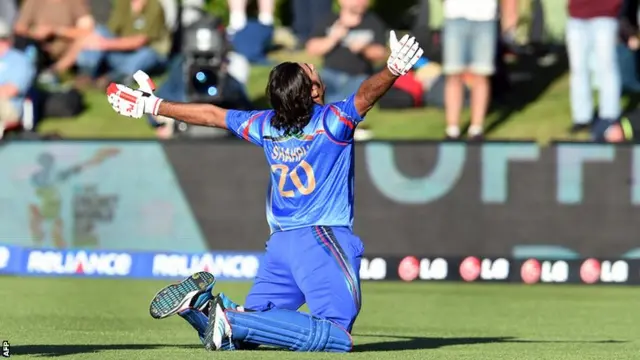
(99, 41)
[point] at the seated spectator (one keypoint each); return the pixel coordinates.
(16, 77)
(136, 38)
(350, 42)
(422, 86)
(53, 26)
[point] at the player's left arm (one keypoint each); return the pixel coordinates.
(404, 55)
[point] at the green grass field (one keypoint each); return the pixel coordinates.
(108, 319)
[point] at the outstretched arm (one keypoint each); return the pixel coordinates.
(194, 114)
(136, 103)
(404, 55)
(372, 90)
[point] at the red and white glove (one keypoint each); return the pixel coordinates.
(134, 103)
(404, 54)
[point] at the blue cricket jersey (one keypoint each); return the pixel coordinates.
(311, 173)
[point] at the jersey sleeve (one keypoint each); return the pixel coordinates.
(247, 125)
(341, 119)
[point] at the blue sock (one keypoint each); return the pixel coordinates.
(197, 319)
(288, 329)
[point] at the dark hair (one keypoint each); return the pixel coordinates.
(289, 92)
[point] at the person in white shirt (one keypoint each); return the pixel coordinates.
(469, 45)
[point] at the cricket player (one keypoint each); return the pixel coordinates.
(312, 255)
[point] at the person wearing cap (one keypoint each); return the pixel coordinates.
(625, 129)
(16, 77)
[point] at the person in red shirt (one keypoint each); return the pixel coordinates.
(592, 36)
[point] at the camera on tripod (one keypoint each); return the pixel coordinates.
(205, 49)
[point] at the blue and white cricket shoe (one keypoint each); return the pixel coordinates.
(194, 292)
(218, 334)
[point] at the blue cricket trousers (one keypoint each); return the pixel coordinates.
(319, 265)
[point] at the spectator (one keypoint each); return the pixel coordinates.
(136, 38)
(238, 14)
(592, 34)
(16, 77)
(350, 43)
(469, 41)
(54, 25)
(306, 14)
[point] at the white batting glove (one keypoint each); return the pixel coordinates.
(134, 103)
(404, 54)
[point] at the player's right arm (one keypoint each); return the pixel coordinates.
(194, 114)
(125, 101)
(136, 103)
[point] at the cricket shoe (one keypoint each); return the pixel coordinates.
(219, 330)
(193, 292)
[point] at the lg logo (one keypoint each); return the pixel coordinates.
(473, 268)
(533, 271)
(593, 271)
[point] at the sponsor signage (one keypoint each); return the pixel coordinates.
(81, 262)
(373, 269)
(235, 266)
(239, 266)
(518, 200)
(90, 263)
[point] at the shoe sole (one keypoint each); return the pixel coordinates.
(170, 299)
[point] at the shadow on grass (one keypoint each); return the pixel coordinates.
(64, 350)
(530, 80)
(400, 343)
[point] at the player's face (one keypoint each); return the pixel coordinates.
(317, 92)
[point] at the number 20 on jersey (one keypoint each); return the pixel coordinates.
(292, 173)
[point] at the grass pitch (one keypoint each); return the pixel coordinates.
(108, 319)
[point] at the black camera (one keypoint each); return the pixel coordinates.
(205, 48)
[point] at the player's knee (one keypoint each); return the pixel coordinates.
(344, 316)
(329, 337)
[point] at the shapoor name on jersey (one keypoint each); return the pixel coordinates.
(231, 266)
(79, 263)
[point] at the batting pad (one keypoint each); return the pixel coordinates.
(288, 329)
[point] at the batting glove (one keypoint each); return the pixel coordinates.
(404, 54)
(134, 103)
